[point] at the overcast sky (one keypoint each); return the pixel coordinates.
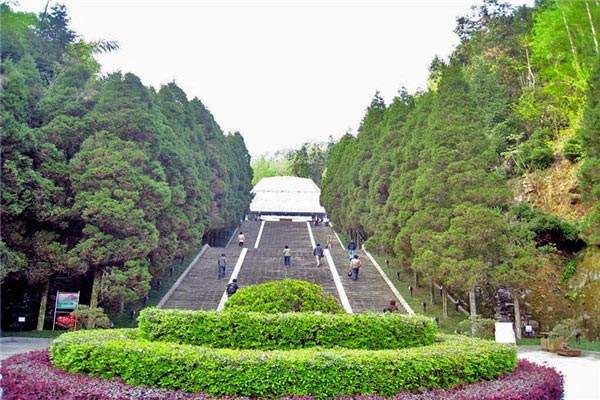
(281, 73)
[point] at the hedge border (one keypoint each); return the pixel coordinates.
(31, 376)
(318, 372)
(249, 330)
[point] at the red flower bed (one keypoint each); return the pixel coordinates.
(31, 376)
(67, 322)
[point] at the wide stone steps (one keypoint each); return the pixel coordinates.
(265, 263)
(201, 289)
(370, 292)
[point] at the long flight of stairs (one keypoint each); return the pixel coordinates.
(266, 262)
(200, 288)
(370, 292)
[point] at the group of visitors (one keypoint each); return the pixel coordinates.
(320, 221)
(319, 253)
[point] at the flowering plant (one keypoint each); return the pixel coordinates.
(67, 321)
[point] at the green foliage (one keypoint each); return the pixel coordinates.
(424, 181)
(589, 174)
(263, 167)
(324, 373)
(484, 328)
(90, 318)
(104, 174)
(548, 228)
(243, 330)
(570, 270)
(280, 296)
(565, 329)
(309, 160)
(573, 149)
(535, 153)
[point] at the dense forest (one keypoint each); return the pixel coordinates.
(102, 176)
(489, 178)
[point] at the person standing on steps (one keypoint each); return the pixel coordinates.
(351, 249)
(318, 253)
(330, 240)
(355, 265)
(287, 257)
(241, 239)
(392, 307)
(222, 265)
(231, 288)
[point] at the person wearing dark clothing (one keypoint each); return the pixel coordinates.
(392, 307)
(318, 253)
(351, 249)
(232, 287)
(222, 265)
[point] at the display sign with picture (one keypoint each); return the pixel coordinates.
(67, 301)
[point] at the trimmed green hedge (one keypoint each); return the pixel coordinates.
(241, 330)
(256, 373)
(282, 296)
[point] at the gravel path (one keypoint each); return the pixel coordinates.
(14, 345)
(582, 374)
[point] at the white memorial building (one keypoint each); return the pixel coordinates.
(286, 197)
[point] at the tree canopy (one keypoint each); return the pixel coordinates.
(100, 173)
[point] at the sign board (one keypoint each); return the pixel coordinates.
(21, 319)
(67, 301)
(505, 332)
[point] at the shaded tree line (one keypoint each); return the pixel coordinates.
(102, 175)
(425, 180)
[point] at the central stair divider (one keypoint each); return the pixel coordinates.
(310, 234)
(338, 282)
(234, 274)
(336, 277)
(260, 231)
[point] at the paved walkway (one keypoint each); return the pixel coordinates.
(14, 345)
(582, 374)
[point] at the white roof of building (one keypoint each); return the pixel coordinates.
(286, 194)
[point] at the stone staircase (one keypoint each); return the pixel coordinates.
(201, 289)
(266, 262)
(370, 292)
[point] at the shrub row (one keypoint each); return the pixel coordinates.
(241, 330)
(319, 372)
(31, 376)
(282, 296)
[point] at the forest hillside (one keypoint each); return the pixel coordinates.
(490, 178)
(102, 176)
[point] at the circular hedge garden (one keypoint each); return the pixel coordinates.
(200, 354)
(284, 295)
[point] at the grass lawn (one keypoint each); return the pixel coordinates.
(33, 334)
(584, 345)
(402, 280)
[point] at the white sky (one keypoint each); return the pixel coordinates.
(282, 73)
